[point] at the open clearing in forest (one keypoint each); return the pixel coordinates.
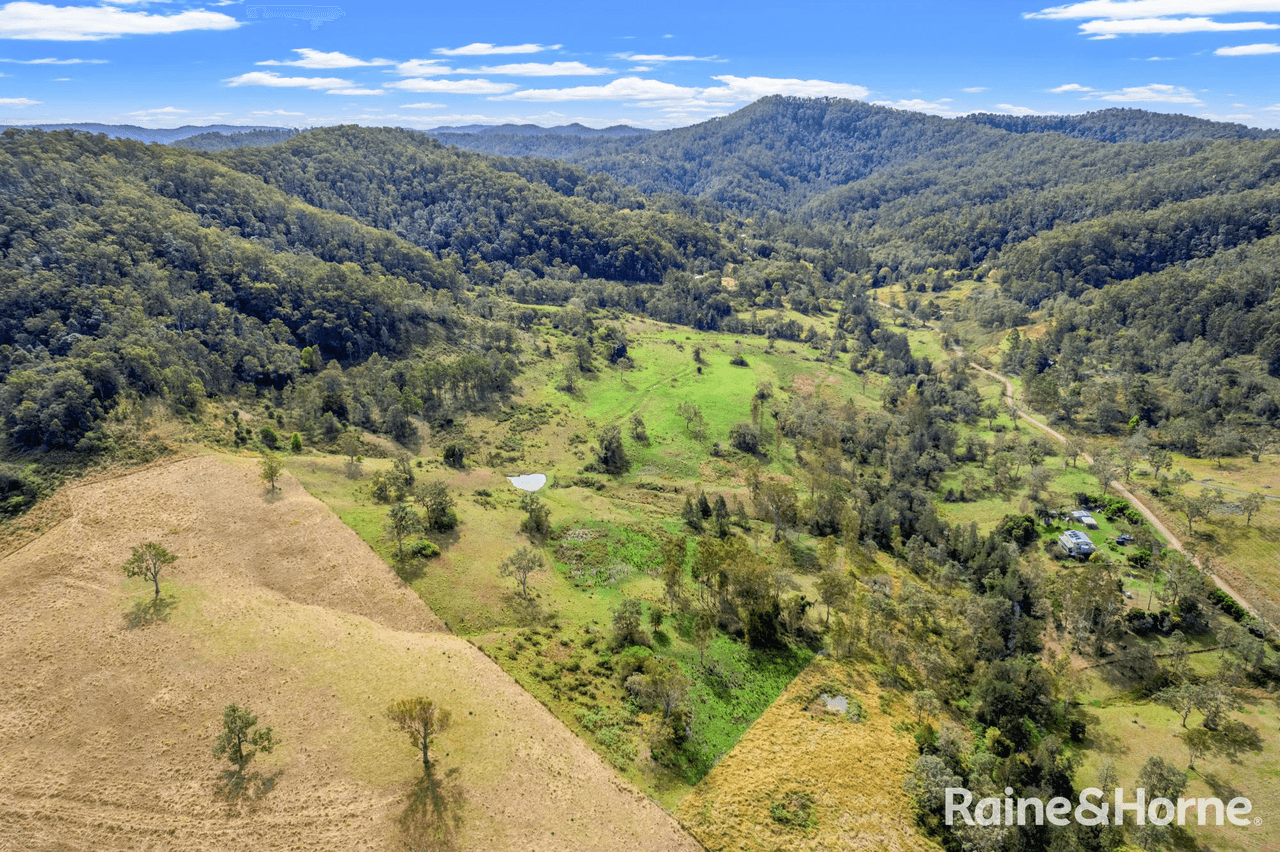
(853, 772)
(273, 604)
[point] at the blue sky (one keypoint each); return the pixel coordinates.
(163, 63)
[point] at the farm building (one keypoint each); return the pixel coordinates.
(1076, 544)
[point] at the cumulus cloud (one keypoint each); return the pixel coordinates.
(1017, 110)
(161, 111)
(537, 69)
(23, 20)
(1071, 87)
(624, 88)
(1248, 50)
(453, 87)
(662, 57)
(1168, 26)
(485, 49)
(423, 68)
(1154, 93)
(731, 90)
(973, 90)
(356, 90)
(751, 88)
(18, 102)
(51, 61)
(271, 78)
(274, 112)
(423, 105)
(319, 60)
(1120, 9)
(941, 106)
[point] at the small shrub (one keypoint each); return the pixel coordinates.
(794, 809)
(269, 437)
(423, 549)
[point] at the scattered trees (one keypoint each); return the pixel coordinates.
(147, 561)
(241, 738)
(437, 504)
(537, 520)
(694, 422)
(401, 522)
(271, 468)
(1251, 504)
(610, 454)
(423, 720)
(520, 565)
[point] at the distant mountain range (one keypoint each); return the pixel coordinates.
(145, 134)
(574, 129)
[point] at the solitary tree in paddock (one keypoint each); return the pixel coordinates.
(422, 719)
(147, 562)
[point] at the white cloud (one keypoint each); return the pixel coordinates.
(941, 106)
(1272, 108)
(422, 68)
(23, 20)
(453, 87)
(423, 105)
(538, 69)
(56, 61)
(1071, 87)
(973, 90)
(274, 112)
(1169, 26)
(271, 78)
(160, 111)
(657, 93)
(1159, 58)
(486, 49)
(624, 88)
(1154, 93)
(1248, 50)
(662, 57)
(320, 60)
(356, 90)
(1103, 37)
(1017, 110)
(751, 88)
(18, 102)
(639, 69)
(1120, 9)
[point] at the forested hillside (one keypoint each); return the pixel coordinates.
(133, 270)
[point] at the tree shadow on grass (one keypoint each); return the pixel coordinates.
(153, 610)
(408, 569)
(1221, 787)
(243, 790)
(1233, 739)
(433, 814)
(1098, 739)
(527, 611)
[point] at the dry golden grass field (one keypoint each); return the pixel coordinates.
(853, 771)
(106, 728)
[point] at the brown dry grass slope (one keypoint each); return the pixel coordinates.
(853, 771)
(106, 730)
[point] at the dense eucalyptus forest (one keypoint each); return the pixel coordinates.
(392, 281)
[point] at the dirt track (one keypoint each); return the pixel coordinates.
(1137, 502)
(106, 731)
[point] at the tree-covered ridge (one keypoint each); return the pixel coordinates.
(1122, 125)
(513, 215)
(223, 140)
(109, 288)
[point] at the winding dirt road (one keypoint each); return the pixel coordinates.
(1173, 540)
